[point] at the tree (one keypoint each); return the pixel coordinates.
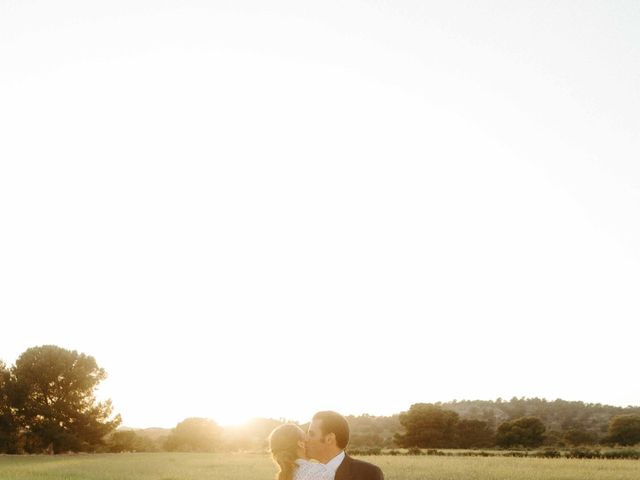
(624, 429)
(372, 431)
(579, 436)
(194, 435)
(428, 426)
(473, 434)
(8, 421)
(129, 441)
(524, 432)
(122, 441)
(55, 400)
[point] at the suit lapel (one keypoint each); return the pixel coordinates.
(344, 470)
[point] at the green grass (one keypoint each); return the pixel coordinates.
(187, 466)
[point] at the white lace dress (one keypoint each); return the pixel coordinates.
(312, 471)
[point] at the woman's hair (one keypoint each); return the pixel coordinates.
(283, 444)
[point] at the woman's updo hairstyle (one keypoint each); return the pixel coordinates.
(283, 444)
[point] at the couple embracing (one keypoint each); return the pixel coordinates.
(324, 442)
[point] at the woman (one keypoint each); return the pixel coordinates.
(287, 445)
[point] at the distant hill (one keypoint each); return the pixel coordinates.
(557, 415)
(153, 433)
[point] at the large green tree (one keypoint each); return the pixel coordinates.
(473, 434)
(428, 426)
(194, 435)
(625, 429)
(8, 421)
(56, 403)
(523, 432)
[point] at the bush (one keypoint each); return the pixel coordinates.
(433, 451)
(515, 454)
(583, 453)
(548, 453)
(622, 453)
(365, 451)
(414, 451)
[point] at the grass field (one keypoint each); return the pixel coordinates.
(187, 466)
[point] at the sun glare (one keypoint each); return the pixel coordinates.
(246, 200)
(231, 419)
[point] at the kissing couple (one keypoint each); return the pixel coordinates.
(325, 441)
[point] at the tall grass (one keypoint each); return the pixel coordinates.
(186, 466)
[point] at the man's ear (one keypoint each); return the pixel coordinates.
(330, 438)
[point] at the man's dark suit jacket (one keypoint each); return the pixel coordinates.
(352, 469)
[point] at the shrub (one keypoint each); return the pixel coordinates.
(622, 453)
(433, 451)
(548, 453)
(583, 453)
(365, 451)
(515, 454)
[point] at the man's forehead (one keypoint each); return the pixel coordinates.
(315, 425)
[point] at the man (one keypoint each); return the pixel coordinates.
(327, 437)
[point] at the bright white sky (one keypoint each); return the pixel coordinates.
(270, 208)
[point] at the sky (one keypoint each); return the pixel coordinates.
(264, 209)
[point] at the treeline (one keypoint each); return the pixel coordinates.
(47, 405)
(533, 423)
(518, 423)
(487, 423)
(565, 422)
(204, 435)
(194, 435)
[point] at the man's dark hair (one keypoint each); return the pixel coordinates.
(333, 422)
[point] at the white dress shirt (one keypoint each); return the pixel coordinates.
(335, 462)
(312, 471)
